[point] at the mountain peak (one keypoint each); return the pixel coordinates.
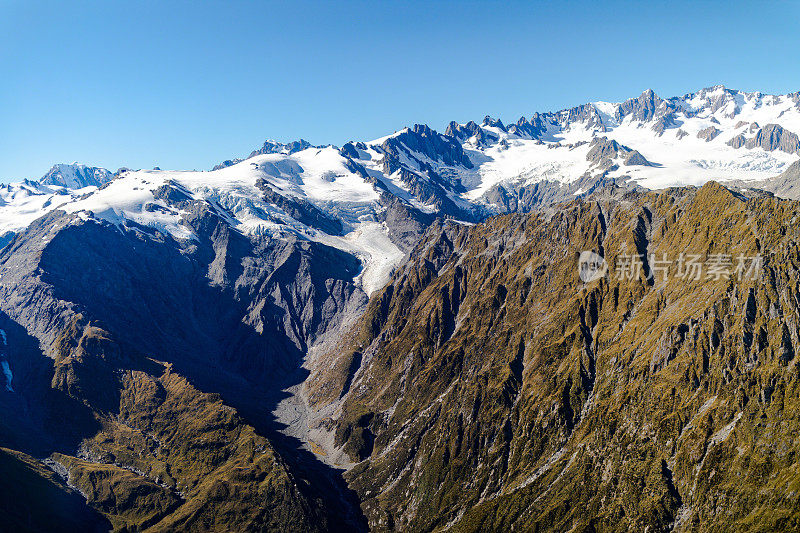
(76, 176)
(276, 147)
(719, 87)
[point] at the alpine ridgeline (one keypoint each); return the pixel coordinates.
(395, 334)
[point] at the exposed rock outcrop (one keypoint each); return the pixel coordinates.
(774, 137)
(708, 134)
(604, 151)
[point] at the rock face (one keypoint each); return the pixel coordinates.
(774, 137)
(738, 141)
(643, 108)
(274, 147)
(488, 388)
(302, 210)
(708, 134)
(769, 138)
(421, 146)
(787, 184)
(603, 152)
(423, 140)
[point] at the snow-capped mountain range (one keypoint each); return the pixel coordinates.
(375, 198)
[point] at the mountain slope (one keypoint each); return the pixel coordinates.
(135, 325)
(488, 388)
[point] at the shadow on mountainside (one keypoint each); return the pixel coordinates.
(37, 419)
(234, 317)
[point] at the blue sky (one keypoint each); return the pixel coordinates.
(184, 85)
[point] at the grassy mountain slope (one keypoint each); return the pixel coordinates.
(488, 388)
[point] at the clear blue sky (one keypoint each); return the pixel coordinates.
(185, 85)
